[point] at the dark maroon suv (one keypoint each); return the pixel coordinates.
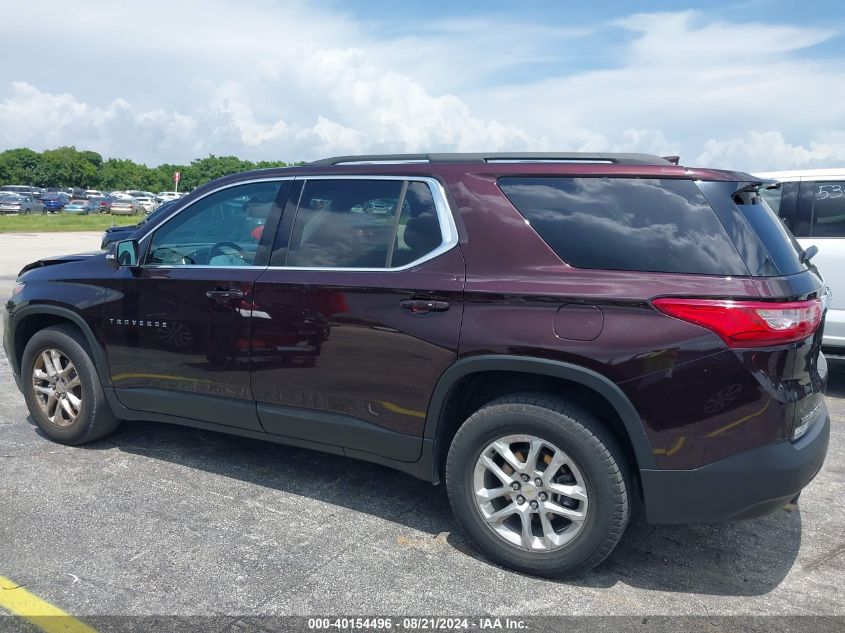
(555, 336)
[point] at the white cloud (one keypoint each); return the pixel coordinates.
(761, 151)
(32, 118)
(296, 81)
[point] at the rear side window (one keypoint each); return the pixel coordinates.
(828, 219)
(639, 224)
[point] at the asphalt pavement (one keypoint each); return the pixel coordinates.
(159, 519)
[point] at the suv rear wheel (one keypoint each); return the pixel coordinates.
(539, 485)
(62, 388)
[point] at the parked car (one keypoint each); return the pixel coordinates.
(116, 233)
(146, 199)
(555, 336)
(812, 205)
(22, 203)
(35, 192)
(126, 206)
(166, 196)
(54, 202)
(92, 193)
(102, 203)
(81, 206)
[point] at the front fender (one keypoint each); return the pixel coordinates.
(20, 315)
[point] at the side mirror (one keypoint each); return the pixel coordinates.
(124, 253)
(809, 253)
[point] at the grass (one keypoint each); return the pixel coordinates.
(55, 222)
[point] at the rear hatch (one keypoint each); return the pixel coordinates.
(790, 286)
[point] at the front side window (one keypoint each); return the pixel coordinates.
(352, 223)
(828, 209)
(222, 229)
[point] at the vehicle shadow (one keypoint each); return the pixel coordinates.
(733, 559)
(723, 559)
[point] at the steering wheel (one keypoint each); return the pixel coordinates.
(213, 251)
(167, 255)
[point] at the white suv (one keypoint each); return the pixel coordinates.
(812, 204)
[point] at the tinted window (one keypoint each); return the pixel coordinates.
(772, 197)
(828, 209)
(222, 229)
(782, 248)
(626, 224)
(783, 200)
(363, 224)
(418, 232)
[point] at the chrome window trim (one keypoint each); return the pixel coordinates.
(448, 228)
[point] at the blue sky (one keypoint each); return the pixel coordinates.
(746, 85)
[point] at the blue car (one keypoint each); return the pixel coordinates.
(81, 207)
(54, 202)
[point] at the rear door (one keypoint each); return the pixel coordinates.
(358, 314)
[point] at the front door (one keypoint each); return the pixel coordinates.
(177, 332)
(358, 314)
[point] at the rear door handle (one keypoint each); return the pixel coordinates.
(420, 306)
(224, 295)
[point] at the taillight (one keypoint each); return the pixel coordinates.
(748, 323)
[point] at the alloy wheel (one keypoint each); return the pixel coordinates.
(57, 387)
(530, 493)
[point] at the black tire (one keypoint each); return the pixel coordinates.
(95, 418)
(590, 446)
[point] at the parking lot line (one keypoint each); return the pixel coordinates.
(18, 601)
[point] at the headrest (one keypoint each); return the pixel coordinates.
(423, 233)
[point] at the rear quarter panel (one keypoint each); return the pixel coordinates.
(698, 400)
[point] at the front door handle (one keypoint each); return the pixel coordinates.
(222, 295)
(421, 306)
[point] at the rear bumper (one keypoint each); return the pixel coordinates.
(747, 485)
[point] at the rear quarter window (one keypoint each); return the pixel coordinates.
(655, 225)
(783, 250)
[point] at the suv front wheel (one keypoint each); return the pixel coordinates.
(540, 485)
(62, 388)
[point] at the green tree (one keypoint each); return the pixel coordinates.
(118, 174)
(67, 167)
(20, 166)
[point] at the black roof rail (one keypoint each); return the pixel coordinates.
(498, 157)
